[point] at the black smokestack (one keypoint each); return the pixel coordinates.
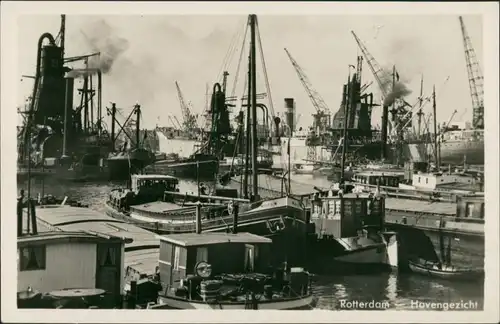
(290, 113)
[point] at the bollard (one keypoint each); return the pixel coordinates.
(132, 298)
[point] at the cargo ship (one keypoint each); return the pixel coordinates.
(455, 144)
(56, 138)
(462, 145)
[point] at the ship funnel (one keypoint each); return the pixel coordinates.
(277, 122)
(290, 113)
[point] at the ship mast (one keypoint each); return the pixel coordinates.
(436, 155)
(247, 135)
(420, 102)
(253, 94)
(346, 120)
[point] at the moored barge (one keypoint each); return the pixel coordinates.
(155, 203)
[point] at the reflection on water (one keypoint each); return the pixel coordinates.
(396, 289)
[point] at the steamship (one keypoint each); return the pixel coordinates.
(57, 139)
(459, 145)
(456, 144)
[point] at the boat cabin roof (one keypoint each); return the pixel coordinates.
(55, 237)
(350, 195)
(379, 174)
(193, 239)
(71, 219)
(152, 177)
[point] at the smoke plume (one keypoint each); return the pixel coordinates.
(395, 88)
(103, 39)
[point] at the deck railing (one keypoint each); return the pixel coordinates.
(189, 223)
(419, 194)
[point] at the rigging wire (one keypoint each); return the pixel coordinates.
(261, 51)
(235, 82)
(226, 57)
(230, 52)
(427, 99)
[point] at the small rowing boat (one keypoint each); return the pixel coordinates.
(438, 270)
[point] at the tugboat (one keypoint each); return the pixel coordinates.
(349, 234)
(227, 271)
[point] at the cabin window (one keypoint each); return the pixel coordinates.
(177, 257)
(426, 180)
(469, 209)
(202, 254)
(358, 207)
(249, 258)
(107, 256)
(418, 179)
(32, 258)
(482, 211)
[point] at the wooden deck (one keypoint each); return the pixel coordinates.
(418, 206)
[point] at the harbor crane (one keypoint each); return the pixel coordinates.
(176, 126)
(322, 117)
(189, 119)
(476, 80)
(387, 82)
(322, 120)
(178, 122)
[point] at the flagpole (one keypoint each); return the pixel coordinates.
(129, 170)
(198, 177)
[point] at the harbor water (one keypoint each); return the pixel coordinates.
(383, 291)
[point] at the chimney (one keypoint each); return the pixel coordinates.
(31, 205)
(20, 214)
(236, 208)
(68, 115)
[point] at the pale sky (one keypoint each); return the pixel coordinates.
(191, 49)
